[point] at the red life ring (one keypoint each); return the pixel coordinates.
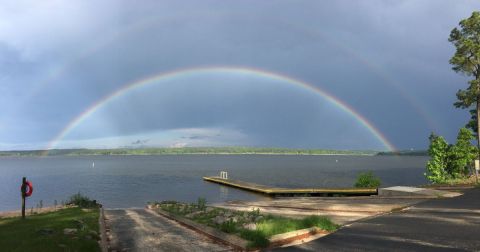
(30, 189)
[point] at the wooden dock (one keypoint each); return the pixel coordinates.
(278, 191)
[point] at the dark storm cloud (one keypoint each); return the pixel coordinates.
(387, 59)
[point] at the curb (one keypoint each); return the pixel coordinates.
(289, 237)
(103, 242)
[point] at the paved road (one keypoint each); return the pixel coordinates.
(142, 230)
(435, 225)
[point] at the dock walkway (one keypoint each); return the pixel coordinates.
(278, 191)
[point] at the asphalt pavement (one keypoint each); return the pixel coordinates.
(450, 224)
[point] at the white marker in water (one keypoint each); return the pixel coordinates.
(93, 164)
(336, 160)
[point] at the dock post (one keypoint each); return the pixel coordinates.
(223, 175)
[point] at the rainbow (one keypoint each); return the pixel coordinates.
(219, 69)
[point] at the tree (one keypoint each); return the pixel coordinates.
(436, 166)
(472, 124)
(450, 161)
(461, 155)
(466, 60)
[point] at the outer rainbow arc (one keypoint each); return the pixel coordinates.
(110, 38)
(219, 69)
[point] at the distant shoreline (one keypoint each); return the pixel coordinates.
(205, 151)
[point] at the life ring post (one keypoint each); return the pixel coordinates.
(26, 190)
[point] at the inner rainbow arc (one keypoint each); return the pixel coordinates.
(125, 89)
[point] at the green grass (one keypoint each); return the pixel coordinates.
(23, 235)
(273, 225)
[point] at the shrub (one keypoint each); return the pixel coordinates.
(81, 201)
(367, 180)
(201, 203)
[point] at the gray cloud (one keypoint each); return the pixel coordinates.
(387, 59)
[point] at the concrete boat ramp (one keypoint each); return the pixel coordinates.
(143, 230)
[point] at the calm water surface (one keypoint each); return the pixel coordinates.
(131, 181)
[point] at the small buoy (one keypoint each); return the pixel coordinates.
(336, 160)
(93, 164)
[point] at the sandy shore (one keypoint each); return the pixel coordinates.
(15, 213)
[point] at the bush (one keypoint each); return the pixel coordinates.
(367, 180)
(450, 162)
(81, 201)
(201, 203)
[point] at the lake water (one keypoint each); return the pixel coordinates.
(131, 181)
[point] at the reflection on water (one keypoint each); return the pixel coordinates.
(223, 192)
(131, 181)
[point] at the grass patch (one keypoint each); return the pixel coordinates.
(273, 225)
(256, 238)
(44, 232)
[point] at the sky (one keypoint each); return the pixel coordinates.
(286, 73)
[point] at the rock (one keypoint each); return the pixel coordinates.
(234, 219)
(70, 231)
(228, 214)
(94, 234)
(250, 226)
(45, 231)
(79, 223)
(219, 220)
(209, 209)
(258, 218)
(192, 215)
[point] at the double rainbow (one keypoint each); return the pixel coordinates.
(159, 78)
